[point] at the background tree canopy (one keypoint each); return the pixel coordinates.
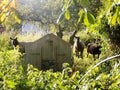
(43, 11)
(9, 16)
(66, 15)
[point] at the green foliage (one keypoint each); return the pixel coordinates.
(104, 80)
(11, 70)
(106, 76)
(89, 19)
(14, 77)
(28, 37)
(81, 16)
(84, 2)
(67, 15)
(42, 11)
(5, 41)
(115, 16)
(8, 16)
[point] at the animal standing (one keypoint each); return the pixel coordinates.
(78, 47)
(94, 48)
(71, 40)
(16, 43)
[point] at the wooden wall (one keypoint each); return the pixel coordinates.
(48, 52)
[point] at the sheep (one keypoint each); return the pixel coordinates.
(94, 48)
(16, 43)
(78, 47)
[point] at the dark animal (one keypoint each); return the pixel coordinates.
(71, 40)
(14, 42)
(78, 47)
(21, 45)
(60, 34)
(94, 48)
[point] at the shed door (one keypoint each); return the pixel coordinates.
(48, 57)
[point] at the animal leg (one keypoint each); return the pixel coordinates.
(98, 55)
(77, 54)
(14, 48)
(81, 54)
(87, 54)
(94, 56)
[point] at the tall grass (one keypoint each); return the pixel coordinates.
(5, 41)
(29, 37)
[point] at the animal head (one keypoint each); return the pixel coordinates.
(99, 46)
(97, 41)
(74, 33)
(78, 38)
(14, 41)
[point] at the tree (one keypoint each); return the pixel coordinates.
(9, 17)
(45, 12)
(78, 13)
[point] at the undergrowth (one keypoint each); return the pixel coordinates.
(14, 77)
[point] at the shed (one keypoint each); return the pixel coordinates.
(48, 52)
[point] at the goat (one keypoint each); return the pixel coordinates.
(16, 43)
(78, 47)
(71, 40)
(60, 33)
(94, 48)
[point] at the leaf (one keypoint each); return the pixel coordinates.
(114, 18)
(118, 14)
(65, 0)
(2, 17)
(67, 15)
(116, 1)
(89, 19)
(81, 16)
(84, 2)
(86, 22)
(17, 19)
(11, 84)
(118, 19)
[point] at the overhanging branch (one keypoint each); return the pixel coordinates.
(63, 11)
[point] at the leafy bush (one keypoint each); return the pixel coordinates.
(10, 69)
(14, 77)
(103, 79)
(5, 42)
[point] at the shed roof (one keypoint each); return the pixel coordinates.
(51, 35)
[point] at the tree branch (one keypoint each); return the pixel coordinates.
(63, 11)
